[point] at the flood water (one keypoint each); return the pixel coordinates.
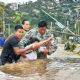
(54, 68)
(49, 69)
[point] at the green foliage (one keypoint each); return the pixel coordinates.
(63, 11)
(1, 14)
(17, 17)
(69, 46)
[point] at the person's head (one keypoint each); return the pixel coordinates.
(18, 31)
(42, 26)
(26, 24)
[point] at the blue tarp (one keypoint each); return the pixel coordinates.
(2, 40)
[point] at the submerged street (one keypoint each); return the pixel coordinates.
(61, 65)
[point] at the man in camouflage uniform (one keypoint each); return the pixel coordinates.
(41, 33)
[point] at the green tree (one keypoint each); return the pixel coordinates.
(1, 15)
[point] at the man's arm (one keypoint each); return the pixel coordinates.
(38, 44)
(34, 46)
(21, 51)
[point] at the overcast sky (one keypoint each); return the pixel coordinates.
(12, 1)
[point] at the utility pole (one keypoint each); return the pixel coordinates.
(51, 26)
(9, 30)
(77, 8)
(3, 23)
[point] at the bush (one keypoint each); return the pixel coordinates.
(70, 46)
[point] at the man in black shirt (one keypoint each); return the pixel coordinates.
(11, 51)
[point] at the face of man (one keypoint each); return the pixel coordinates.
(19, 33)
(26, 25)
(42, 30)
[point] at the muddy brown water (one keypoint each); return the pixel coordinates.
(26, 70)
(43, 69)
(58, 67)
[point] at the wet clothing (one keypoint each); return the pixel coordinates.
(34, 33)
(8, 55)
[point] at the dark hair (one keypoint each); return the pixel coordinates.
(32, 40)
(42, 23)
(24, 21)
(18, 27)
